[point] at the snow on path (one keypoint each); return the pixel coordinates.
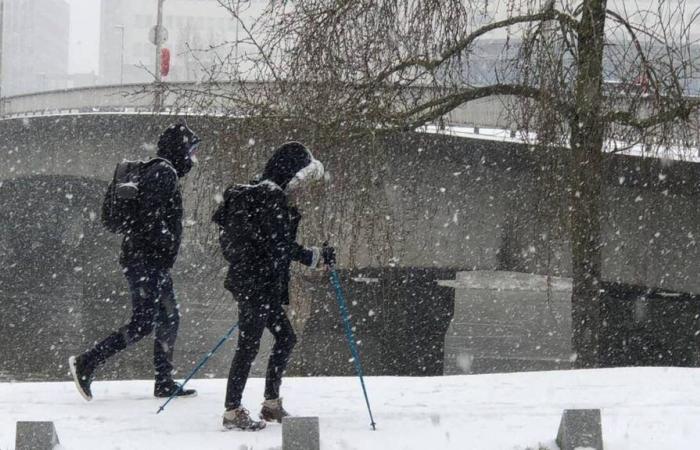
(642, 408)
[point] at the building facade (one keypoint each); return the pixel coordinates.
(127, 55)
(35, 46)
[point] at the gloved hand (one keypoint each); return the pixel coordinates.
(328, 254)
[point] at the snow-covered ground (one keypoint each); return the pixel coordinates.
(642, 408)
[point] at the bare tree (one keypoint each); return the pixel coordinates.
(584, 76)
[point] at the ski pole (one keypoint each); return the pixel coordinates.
(199, 366)
(335, 281)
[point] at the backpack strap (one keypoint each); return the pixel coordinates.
(158, 159)
(147, 165)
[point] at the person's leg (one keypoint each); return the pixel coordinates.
(285, 339)
(144, 291)
(143, 288)
(280, 327)
(167, 319)
(251, 323)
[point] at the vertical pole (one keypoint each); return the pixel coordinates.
(335, 281)
(121, 28)
(159, 29)
(2, 31)
(121, 66)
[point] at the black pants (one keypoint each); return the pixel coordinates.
(153, 307)
(255, 314)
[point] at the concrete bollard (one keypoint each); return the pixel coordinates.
(300, 433)
(580, 428)
(36, 436)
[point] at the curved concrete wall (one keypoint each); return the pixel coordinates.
(490, 112)
(406, 201)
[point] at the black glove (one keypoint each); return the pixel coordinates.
(328, 254)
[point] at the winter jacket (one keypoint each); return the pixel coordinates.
(154, 240)
(258, 229)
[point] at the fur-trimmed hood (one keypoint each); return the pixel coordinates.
(291, 165)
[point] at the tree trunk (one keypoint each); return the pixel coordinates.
(587, 133)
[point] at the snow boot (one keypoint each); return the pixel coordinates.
(239, 418)
(272, 411)
(165, 389)
(82, 375)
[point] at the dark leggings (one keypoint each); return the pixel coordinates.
(153, 307)
(253, 317)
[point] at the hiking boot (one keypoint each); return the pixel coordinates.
(167, 388)
(82, 375)
(272, 411)
(239, 419)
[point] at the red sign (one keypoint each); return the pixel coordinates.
(164, 62)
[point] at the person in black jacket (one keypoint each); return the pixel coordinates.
(149, 249)
(258, 231)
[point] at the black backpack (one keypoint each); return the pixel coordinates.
(120, 207)
(235, 220)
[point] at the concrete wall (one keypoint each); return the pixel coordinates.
(508, 322)
(407, 201)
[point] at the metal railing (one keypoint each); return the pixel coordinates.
(495, 113)
(94, 99)
(140, 98)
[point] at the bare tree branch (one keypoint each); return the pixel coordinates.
(681, 110)
(429, 65)
(438, 107)
(648, 69)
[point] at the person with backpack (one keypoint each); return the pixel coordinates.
(144, 203)
(258, 229)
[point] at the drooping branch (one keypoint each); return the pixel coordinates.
(649, 71)
(431, 64)
(266, 57)
(436, 108)
(680, 110)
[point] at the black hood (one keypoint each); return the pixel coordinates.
(175, 144)
(292, 161)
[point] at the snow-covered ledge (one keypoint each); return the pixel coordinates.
(511, 281)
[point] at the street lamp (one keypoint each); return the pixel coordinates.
(121, 28)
